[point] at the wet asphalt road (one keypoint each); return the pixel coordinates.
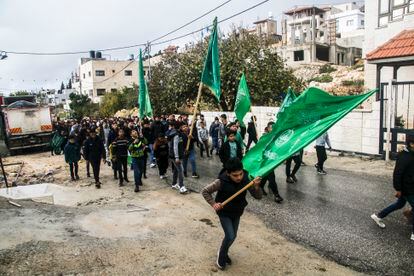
(331, 215)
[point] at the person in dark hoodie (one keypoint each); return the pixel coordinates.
(403, 182)
(72, 157)
(161, 154)
(120, 149)
(94, 152)
(230, 149)
(229, 182)
(177, 147)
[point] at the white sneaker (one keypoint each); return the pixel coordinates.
(161, 177)
(183, 190)
(152, 165)
(379, 222)
(175, 186)
(412, 236)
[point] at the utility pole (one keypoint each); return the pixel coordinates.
(148, 51)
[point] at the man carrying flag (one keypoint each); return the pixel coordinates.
(210, 77)
(233, 179)
(300, 121)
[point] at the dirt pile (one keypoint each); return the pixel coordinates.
(336, 79)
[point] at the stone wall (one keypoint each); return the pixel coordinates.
(357, 132)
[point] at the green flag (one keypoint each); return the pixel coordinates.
(148, 107)
(144, 102)
(298, 124)
(211, 72)
(290, 97)
(242, 105)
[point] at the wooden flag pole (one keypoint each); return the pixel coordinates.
(239, 192)
(200, 88)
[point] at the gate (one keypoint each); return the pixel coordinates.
(399, 115)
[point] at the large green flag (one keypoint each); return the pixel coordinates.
(243, 103)
(211, 72)
(144, 102)
(299, 123)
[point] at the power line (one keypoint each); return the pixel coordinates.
(192, 21)
(221, 21)
(114, 48)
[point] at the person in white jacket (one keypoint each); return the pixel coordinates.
(321, 152)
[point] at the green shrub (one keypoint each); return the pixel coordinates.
(325, 78)
(353, 82)
(327, 68)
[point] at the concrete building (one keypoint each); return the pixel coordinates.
(389, 66)
(96, 76)
(59, 97)
(385, 19)
(266, 28)
(349, 23)
(310, 34)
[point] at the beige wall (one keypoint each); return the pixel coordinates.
(114, 78)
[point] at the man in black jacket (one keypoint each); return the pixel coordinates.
(403, 181)
(251, 130)
(230, 149)
(94, 152)
(120, 149)
(228, 183)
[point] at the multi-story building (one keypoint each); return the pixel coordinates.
(385, 20)
(96, 76)
(389, 66)
(349, 24)
(266, 28)
(310, 34)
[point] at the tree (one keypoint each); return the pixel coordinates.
(69, 86)
(82, 106)
(127, 98)
(20, 93)
(174, 81)
(62, 86)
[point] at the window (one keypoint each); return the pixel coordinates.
(89, 73)
(99, 73)
(84, 75)
(100, 92)
(298, 55)
(362, 22)
(384, 6)
(113, 71)
(390, 10)
(350, 22)
(128, 72)
(113, 90)
(90, 92)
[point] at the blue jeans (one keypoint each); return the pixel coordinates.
(178, 173)
(230, 226)
(191, 157)
(400, 203)
(215, 144)
(151, 147)
(138, 167)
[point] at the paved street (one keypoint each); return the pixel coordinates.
(331, 214)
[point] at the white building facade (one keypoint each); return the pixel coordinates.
(97, 76)
(384, 20)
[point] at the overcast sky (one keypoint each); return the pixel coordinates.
(82, 25)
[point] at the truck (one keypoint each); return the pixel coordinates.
(24, 123)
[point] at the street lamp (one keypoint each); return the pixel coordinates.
(3, 55)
